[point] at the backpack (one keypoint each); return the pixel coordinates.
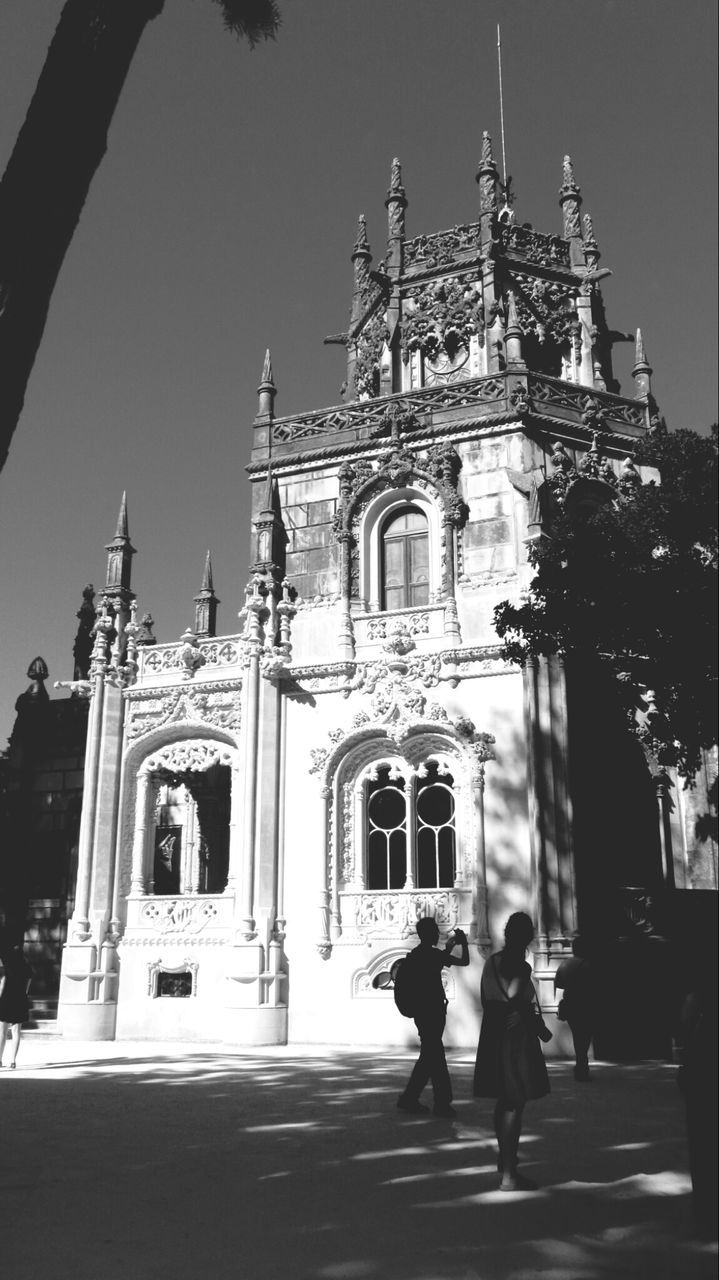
(407, 992)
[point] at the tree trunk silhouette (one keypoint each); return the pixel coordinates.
(58, 150)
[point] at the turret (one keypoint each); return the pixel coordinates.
(266, 392)
(395, 204)
(206, 604)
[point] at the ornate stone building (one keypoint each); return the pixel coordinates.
(267, 813)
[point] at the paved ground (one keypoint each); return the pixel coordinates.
(181, 1162)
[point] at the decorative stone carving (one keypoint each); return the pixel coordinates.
(441, 317)
(525, 242)
(443, 247)
(195, 756)
(545, 309)
(218, 705)
(178, 915)
(370, 344)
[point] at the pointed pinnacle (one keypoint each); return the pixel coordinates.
(486, 158)
(122, 530)
(267, 369)
(361, 243)
(568, 186)
(207, 583)
(395, 181)
(640, 356)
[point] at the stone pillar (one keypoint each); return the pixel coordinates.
(144, 808)
(411, 806)
(549, 805)
(480, 908)
(251, 705)
(324, 944)
(662, 787)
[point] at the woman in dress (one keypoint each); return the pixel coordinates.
(14, 1006)
(510, 1066)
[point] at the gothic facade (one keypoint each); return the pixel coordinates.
(266, 814)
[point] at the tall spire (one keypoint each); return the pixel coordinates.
(119, 562)
(488, 179)
(266, 391)
(395, 204)
(206, 604)
(642, 371)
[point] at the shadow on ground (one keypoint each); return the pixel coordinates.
(275, 1165)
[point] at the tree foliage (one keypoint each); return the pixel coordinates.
(58, 150)
(631, 581)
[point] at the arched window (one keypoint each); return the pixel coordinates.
(386, 832)
(392, 815)
(405, 560)
(435, 830)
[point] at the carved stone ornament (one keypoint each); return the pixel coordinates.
(399, 708)
(524, 242)
(370, 344)
(545, 309)
(192, 756)
(441, 318)
(218, 705)
(443, 247)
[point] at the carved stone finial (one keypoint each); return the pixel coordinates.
(642, 371)
(513, 333)
(119, 564)
(591, 248)
(488, 179)
(395, 204)
(266, 391)
(144, 634)
(570, 201)
(122, 529)
(82, 648)
(206, 604)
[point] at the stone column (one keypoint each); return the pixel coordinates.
(247, 922)
(235, 832)
(144, 806)
(80, 924)
(549, 804)
(410, 808)
(480, 913)
(324, 945)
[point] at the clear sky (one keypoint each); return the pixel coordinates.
(222, 220)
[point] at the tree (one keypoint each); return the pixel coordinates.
(627, 577)
(56, 155)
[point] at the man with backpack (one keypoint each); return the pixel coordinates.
(419, 994)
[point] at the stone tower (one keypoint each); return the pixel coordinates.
(288, 800)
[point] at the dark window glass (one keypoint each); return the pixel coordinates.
(405, 560)
(435, 830)
(386, 833)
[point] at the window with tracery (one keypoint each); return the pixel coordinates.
(405, 559)
(411, 833)
(191, 831)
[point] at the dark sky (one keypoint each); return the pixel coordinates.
(222, 220)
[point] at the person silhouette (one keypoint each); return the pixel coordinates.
(575, 978)
(14, 1005)
(427, 962)
(510, 1066)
